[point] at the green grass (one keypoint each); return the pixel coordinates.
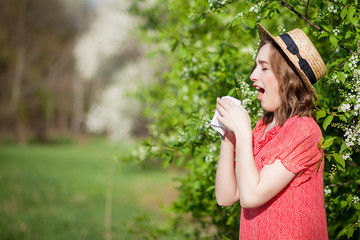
(62, 190)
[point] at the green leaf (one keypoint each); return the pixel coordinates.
(341, 76)
(174, 45)
(321, 142)
(343, 13)
(333, 40)
(250, 22)
(348, 34)
(324, 34)
(340, 160)
(354, 21)
(350, 12)
(327, 121)
(343, 147)
(211, 188)
(180, 161)
(343, 118)
(146, 143)
(343, 204)
(327, 28)
(203, 18)
(192, 133)
(231, 92)
(357, 206)
(170, 155)
(348, 231)
(328, 142)
(320, 114)
(266, 13)
(319, 164)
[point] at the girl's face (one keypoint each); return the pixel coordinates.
(265, 80)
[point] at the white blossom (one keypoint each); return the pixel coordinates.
(355, 199)
(336, 31)
(255, 9)
(346, 156)
(210, 156)
(327, 190)
(239, 15)
(333, 9)
(345, 107)
(354, 59)
(217, 3)
(281, 29)
(352, 135)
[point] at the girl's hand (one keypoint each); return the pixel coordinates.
(234, 117)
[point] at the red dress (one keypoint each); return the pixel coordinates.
(298, 211)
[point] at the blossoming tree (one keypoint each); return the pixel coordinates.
(210, 47)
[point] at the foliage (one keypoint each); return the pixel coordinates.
(210, 47)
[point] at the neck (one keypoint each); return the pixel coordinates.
(269, 127)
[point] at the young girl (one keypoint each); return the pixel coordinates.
(278, 172)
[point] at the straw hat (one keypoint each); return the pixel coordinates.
(302, 53)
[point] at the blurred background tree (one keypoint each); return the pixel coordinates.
(60, 60)
(69, 69)
(37, 67)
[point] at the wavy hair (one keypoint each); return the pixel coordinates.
(295, 98)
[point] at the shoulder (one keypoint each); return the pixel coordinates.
(302, 123)
(305, 126)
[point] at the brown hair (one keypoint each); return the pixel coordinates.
(295, 99)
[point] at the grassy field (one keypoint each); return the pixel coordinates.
(67, 190)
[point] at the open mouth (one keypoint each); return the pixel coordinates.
(260, 89)
(261, 92)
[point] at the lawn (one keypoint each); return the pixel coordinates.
(71, 190)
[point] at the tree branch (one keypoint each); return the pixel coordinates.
(342, 184)
(291, 8)
(307, 8)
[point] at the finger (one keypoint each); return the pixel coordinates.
(220, 109)
(220, 118)
(227, 103)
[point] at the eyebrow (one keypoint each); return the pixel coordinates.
(262, 62)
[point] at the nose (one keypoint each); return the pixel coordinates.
(254, 75)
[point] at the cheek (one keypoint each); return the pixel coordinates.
(273, 82)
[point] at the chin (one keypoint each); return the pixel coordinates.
(272, 110)
(268, 108)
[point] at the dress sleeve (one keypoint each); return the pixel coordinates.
(296, 146)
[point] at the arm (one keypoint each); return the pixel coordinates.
(226, 190)
(254, 188)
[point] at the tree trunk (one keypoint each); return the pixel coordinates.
(20, 129)
(78, 104)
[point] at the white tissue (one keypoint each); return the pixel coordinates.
(218, 126)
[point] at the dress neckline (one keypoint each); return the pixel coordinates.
(260, 139)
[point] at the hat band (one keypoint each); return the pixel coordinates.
(304, 65)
